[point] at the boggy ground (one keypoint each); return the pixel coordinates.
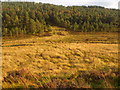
(83, 60)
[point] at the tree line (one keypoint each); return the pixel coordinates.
(20, 18)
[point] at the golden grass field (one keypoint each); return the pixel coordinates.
(83, 60)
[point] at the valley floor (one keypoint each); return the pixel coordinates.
(84, 60)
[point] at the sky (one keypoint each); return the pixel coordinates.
(104, 3)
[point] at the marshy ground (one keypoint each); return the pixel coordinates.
(82, 60)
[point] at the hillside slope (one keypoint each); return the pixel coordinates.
(21, 18)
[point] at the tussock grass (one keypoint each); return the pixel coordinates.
(61, 61)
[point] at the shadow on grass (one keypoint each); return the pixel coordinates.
(16, 45)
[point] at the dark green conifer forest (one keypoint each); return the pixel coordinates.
(20, 18)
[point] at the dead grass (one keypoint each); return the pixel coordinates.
(61, 61)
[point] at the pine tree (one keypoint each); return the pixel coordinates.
(75, 27)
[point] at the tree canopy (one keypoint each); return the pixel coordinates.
(31, 18)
